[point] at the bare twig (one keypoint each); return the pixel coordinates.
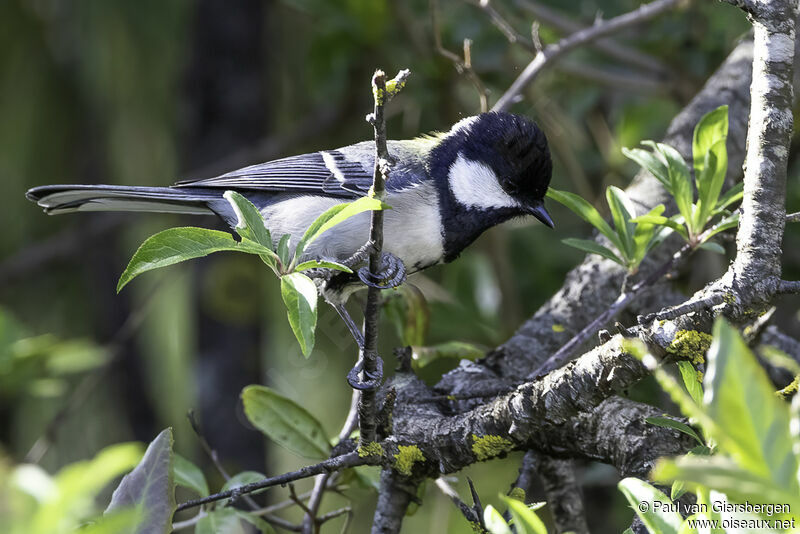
(330, 465)
(609, 47)
(554, 51)
(462, 66)
(793, 217)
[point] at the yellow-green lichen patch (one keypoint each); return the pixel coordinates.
(558, 328)
(691, 345)
(789, 390)
(406, 457)
(370, 449)
(517, 493)
(485, 447)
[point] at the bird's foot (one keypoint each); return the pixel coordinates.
(392, 273)
(371, 380)
(360, 255)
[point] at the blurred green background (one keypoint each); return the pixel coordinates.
(147, 92)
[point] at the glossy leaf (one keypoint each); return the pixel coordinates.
(709, 183)
(593, 247)
(323, 264)
(587, 212)
(644, 235)
(285, 422)
(189, 476)
(180, 244)
(711, 129)
(151, 487)
(660, 220)
(335, 215)
(658, 517)
(299, 294)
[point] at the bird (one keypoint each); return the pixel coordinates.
(444, 189)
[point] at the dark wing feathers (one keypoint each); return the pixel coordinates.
(345, 172)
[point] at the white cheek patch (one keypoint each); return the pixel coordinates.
(475, 185)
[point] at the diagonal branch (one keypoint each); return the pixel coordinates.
(552, 52)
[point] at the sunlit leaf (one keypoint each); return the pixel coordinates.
(283, 249)
(753, 422)
(322, 264)
(180, 244)
(299, 294)
(494, 521)
(691, 380)
(285, 422)
(335, 215)
(734, 194)
(657, 516)
(459, 350)
(711, 129)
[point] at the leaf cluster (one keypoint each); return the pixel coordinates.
(298, 291)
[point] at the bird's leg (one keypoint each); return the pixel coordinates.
(360, 255)
(351, 325)
(392, 274)
(373, 380)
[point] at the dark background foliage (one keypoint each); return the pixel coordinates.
(112, 91)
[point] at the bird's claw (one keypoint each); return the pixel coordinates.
(372, 380)
(392, 273)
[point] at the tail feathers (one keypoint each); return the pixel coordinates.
(56, 199)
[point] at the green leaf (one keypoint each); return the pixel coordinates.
(251, 225)
(734, 194)
(525, 520)
(713, 247)
(242, 479)
(408, 311)
(151, 487)
(180, 244)
(731, 221)
(753, 423)
(494, 521)
(691, 380)
(283, 250)
(285, 422)
(300, 297)
(648, 161)
(680, 185)
(335, 215)
(592, 247)
(587, 212)
(658, 517)
(622, 211)
(723, 475)
(323, 264)
(189, 476)
(672, 223)
(680, 426)
(644, 236)
(709, 132)
(709, 183)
